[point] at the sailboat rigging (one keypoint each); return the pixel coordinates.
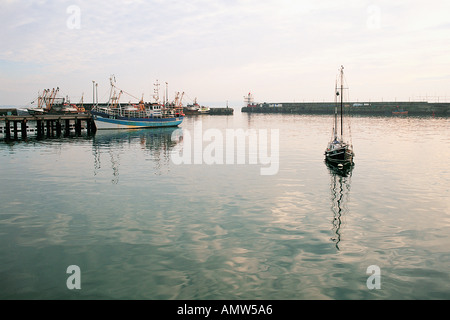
(339, 151)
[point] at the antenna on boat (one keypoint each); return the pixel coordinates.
(167, 94)
(156, 91)
(93, 92)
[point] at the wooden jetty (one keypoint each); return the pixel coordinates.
(46, 124)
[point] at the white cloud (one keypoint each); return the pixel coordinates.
(271, 46)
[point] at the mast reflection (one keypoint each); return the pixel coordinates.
(340, 190)
(156, 143)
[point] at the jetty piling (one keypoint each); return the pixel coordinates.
(23, 127)
(7, 128)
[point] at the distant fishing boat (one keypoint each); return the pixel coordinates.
(49, 103)
(399, 112)
(339, 151)
(249, 101)
(195, 108)
(204, 110)
(143, 115)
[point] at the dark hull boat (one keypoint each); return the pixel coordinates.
(339, 151)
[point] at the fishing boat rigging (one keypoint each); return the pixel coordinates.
(129, 116)
(50, 103)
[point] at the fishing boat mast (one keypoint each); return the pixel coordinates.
(114, 98)
(156, 92)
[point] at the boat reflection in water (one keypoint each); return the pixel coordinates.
(340, 190)
(155, 143)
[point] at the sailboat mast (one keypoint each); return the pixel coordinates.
(335, 110)
(342, 100)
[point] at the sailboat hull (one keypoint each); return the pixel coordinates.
(341, 155)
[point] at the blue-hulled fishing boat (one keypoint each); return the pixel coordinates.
(131, 116)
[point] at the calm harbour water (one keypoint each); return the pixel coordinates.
(140, 226)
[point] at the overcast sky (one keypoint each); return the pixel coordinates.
(218, 51)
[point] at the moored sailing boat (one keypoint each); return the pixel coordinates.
(143, 115)
(339, 151)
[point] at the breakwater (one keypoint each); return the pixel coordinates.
(357, 108)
